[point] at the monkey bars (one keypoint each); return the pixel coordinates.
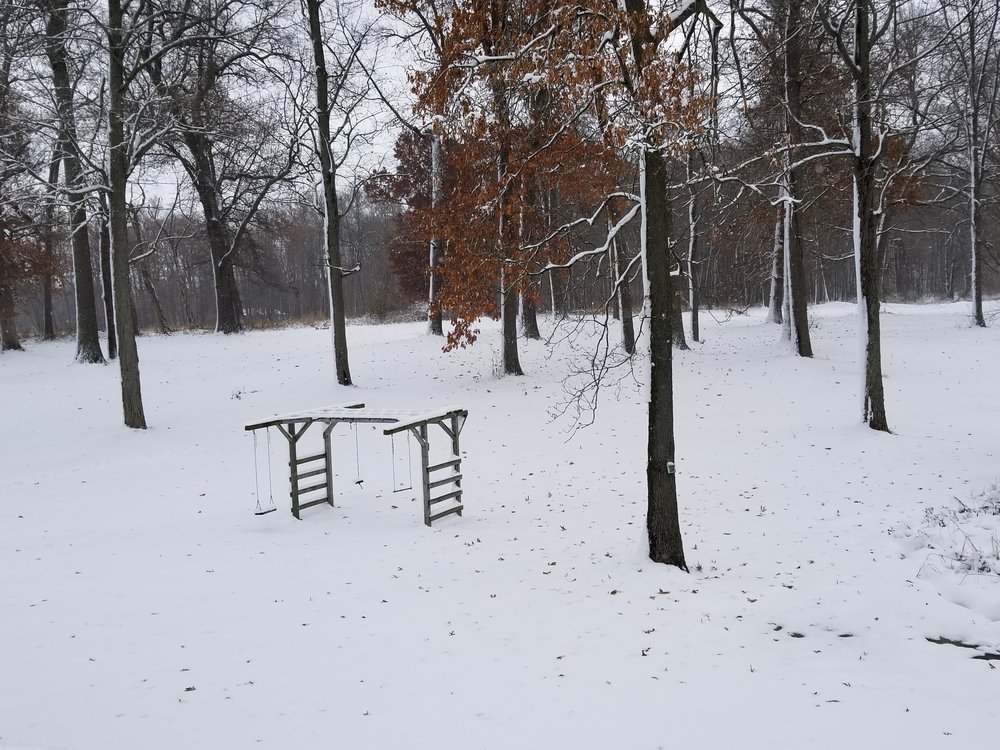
(445, 475)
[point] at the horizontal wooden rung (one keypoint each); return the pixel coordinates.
(449, 480)
(445, 464)
(313, 473)
(443, 513)
(449, 496)
(307, 459)
(320, 486)
(311, 503)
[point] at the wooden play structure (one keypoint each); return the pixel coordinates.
(311, 477)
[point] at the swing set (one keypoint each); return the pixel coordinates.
(318, 468)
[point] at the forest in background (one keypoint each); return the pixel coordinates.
(244, 77)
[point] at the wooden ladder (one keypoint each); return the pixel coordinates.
(431, 514)
(310, 474)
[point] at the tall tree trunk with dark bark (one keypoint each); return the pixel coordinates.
(506, 236)
(331, 211)
(509, 297)
(866, 256)
(228, 305)
(662, 517)
(125, 326)
(88, 345)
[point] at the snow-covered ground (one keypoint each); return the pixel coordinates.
(143, 605)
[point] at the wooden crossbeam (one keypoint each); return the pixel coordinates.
(449, 496)
(454, 478)
(445, 464)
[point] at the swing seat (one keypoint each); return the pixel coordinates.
(264, 512)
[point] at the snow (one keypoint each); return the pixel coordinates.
(143, 605)
(960, 548)
(360, 413)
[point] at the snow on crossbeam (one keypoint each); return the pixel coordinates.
(358, 413)
(450, 419)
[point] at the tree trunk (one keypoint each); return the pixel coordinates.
(662, 518)
(128, 353)
(776, 300)
(9, 340)
(88, 344)
(975, 70)
(511, 361)
(228, 306)
(866, 257)
(692, 259)
(505, 238)
(612, 293)
(680, 340)
(795, 264)
(974, 254)
(624, 296)
(529, 317)
(331, 215)
(48, 240)
(106, 285)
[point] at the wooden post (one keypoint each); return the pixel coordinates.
(425, 474)
(293, 469)
(328, 449)
(456, 428)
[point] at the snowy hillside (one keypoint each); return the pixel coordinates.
(143, 605)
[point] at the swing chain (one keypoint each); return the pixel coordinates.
(256, 476)
(270, 483)
(409, 456)
(256, 480)
(357, 457)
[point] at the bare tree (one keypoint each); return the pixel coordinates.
(335, 90)
(234, 138)
(121, 159)
(58, 37)
(974, 47)
(858, 28)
